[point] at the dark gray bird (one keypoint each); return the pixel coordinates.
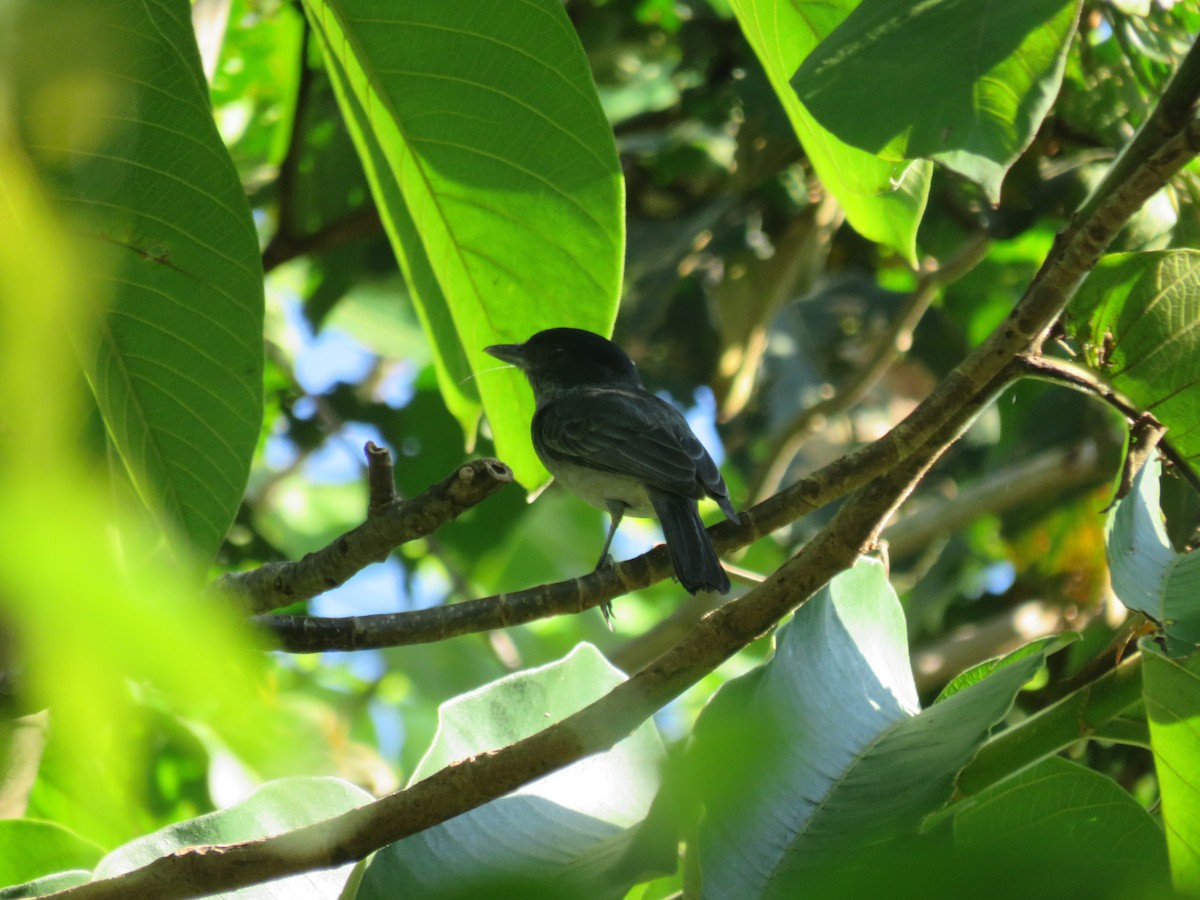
(619, 447)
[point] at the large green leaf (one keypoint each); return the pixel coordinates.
(113, 109)
(497, 175)
(562, 835)
(1172, 691)
(274, 808)
(89, 625)
(883, 199)
(449, 357)
(952, 80)
(1147, 574)
(1137, 319)
(824, 749)
(1058, 810)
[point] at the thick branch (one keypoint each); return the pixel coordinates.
(1040, 476)
(389, 523)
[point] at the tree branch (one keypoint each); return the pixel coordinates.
(286, 247)
(390, 522)
(1068, 374)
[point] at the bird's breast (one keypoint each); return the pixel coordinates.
(601, 488)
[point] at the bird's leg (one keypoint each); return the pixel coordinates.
(616, 511)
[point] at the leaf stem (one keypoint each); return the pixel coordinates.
(1073, 718)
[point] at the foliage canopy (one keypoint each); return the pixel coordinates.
(924, 278)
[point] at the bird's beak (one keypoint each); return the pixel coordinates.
(509, 353)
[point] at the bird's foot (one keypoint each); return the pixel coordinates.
(606, 562)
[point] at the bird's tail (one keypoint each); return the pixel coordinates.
(691, 550)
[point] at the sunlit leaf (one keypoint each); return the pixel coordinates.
(824, 749)
(1042, 647)
(964, 84)
(496, 174)
(566, 831)
(883, 199)
(1137, 318)
(117, 121)
(84, 620)
(33, 849)
(1147, 574)
(1172, 694)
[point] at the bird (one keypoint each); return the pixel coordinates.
(620, 448)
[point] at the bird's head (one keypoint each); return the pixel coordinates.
(560, 358)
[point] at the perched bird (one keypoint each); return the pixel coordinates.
(619, 447)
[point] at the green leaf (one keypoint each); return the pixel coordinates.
(950, 80)
(33, 849)
(1137, 319)
(883, 199)
(497, 176)
(450, 361)
(1147, 574)
(90, 630)
(117, 121)
(1172, 693)
(1062, 811)
(565, 832)
(824, 750)
(1042, 646)
(273, 808)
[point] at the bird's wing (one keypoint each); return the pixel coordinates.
(628, 433)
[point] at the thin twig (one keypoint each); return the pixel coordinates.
(1068, 374)
(285, 244)
(284, 247)
(277, 584)
(381, 479)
